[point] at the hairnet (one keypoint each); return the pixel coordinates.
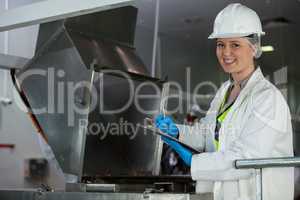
(254, 40)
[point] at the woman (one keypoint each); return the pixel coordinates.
(248, 118)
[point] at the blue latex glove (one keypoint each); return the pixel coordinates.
(166, 125)
(184, 153)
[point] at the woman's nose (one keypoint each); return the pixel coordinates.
(227, 51)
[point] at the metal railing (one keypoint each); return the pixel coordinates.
(261, 163)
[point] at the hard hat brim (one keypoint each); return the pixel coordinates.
(231, 35)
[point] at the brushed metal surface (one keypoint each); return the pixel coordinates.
(130, 151)
(268, 162)
(12, 62)
(23, 195)
(59, 121)
(65, 60)
(48, 11)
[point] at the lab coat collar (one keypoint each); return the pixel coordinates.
(249, 82)
(242, 83)
(256, 76)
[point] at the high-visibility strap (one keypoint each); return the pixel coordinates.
(220, 118)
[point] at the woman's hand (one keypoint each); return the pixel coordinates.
(166, 125)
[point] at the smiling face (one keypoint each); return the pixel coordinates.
(235, 55)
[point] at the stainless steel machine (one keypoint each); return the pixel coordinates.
(80, 54)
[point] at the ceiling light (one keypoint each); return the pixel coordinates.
(268, 48)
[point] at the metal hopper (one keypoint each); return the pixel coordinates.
(84, 66)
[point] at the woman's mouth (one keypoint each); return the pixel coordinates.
(228, 61)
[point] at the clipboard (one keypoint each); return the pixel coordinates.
(159, 132)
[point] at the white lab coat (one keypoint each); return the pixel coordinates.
(258, 126)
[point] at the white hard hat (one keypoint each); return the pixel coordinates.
(236, 20)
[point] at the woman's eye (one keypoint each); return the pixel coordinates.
(235, 45)
(220, 45)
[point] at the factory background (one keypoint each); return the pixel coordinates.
(171, 39)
